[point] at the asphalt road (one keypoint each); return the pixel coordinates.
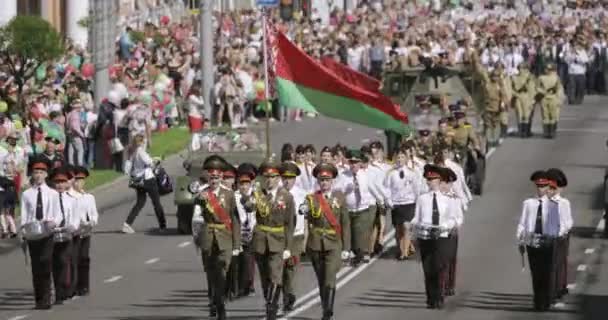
(150, 277)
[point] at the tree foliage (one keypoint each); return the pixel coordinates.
(26, 42)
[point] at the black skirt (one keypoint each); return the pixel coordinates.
(403, 213)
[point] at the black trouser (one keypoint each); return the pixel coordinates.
(450, 281)
(434, 256)
(41, 256)
(576, 88)
(81, 263)
(62, 269)
(246, 270)
(542, 267)
(561, 261)
(150, 188)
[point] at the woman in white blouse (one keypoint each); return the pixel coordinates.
(140, 168)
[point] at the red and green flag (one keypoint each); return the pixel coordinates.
(304, 83)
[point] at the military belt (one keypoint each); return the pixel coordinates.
(325, 230)
(264, 228)
(217, 226)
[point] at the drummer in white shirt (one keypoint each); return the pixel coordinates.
(85, 209)
(40, 204)
(435, 212)
(63, 248)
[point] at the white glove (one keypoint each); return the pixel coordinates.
(345, 255)
(236, 252)
(304, 209)
(286, 254)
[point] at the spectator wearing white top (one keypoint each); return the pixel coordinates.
(195, 104)
(140, 168)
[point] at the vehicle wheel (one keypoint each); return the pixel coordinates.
(184, 219)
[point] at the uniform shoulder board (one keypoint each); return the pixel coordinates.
(468, 125)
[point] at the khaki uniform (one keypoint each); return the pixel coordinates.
(273, 234)
(217, 241)
(551, 92)
(507, 96)
(325, 244)
(492, 110)
(523, 86)
(463, 135)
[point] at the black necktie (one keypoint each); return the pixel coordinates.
(61, 207)
(39, 212)
(538, 227)
(435, 210)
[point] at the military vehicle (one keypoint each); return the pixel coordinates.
(457, 86)
(234, 145)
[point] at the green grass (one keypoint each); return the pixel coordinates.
(101, 177)
(169, 142)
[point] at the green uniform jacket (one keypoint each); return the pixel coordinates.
(463, 135)
(274, 232)
(320, 235)
(212, 228)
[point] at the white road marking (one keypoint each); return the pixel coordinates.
(601, 225)
(584, 130)
(184, 244)
(559, 305)
(21, 317)
(153, 260)
(571, 286)
(490, 152)
(349, 129)
(379, 132)
(581, 267)
(364, 141)
(388, 242)
(112, 279)
(589, 251)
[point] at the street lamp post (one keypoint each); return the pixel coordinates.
(206, 54)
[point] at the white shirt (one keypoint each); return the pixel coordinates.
(85, 208)
(565, 214)
(369, 195)
(299, 196)
(577, 60)
(527, 221)
(50, 205)
(67, 202)
(378, 171)
(460, 186)
(450, 216)
(141, 164)
(306, 181)
(403, 190)
(512, 62)
(247, 219)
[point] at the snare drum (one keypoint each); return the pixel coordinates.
(36, 230)
(539, 240)
(62, 236)
(425, 232)
(85, 230)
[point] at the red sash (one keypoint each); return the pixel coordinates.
(329, 215)
(219, 211)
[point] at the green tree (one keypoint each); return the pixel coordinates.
(26, 42)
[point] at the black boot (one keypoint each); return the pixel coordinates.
(211, 297)
(272, 302)
(328, 306)
(546, 131)
(289, 300)
(503, 131)
(219, 298)
(553, 130)
(528, 129)
(522, 130)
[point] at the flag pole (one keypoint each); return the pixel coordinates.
(266, 89)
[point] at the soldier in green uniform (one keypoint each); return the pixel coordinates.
(550, 94)
(329, 239)
(505, 82)
(444, 133)
(523, 86)
(220, 235)
(273, 234)
(425, 144)
(464, 136)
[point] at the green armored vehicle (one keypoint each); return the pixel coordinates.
(235, 145)
(457, 86)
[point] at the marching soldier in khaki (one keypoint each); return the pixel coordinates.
(273, 234)
(550, 93)
(289, 172)
(523, 86)
(464, 136)
(491, 86)
(507, 96)
(329, 239)
(220, 234)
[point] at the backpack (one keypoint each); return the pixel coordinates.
(163, 180)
